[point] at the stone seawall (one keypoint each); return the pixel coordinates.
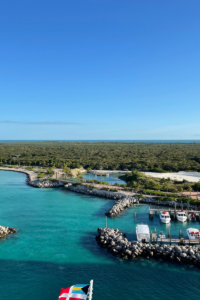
(4, 231)
(99, 193)
(154, 201)
(44, 183)
(116, 242)
(121, 205)
(32, 178)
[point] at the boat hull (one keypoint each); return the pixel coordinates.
(182, 219)
(165, 221)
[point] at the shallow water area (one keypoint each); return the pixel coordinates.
(111, 179)
(55, 247)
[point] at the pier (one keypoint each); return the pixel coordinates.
(172, 212)
(180, 241)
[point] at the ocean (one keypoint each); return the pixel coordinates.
(55, 247)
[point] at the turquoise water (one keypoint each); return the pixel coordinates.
(111, 179)
(55, 247)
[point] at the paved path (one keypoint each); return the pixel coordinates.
(32, 174)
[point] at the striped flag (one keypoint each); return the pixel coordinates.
(74, 292)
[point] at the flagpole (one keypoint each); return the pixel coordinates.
(91, 289)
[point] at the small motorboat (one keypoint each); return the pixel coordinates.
(165, 217)
(192, 217)
(143, 233)
(193, 234)
(161, 235)
(181, 216)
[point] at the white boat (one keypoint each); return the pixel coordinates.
(192, 217)
(181, 216)
(193, 234)
(143, 233)
(165, 217)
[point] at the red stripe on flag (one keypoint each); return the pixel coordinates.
(66, 291)
(75, 298)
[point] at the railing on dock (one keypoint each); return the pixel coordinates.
(172, 212)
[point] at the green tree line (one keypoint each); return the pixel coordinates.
(159, 157)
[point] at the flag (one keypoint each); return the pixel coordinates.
(74, 292)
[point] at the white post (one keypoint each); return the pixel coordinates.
(91, 289)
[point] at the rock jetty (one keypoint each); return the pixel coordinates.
(95, 192)
(121, 205)
(152, 200)
(45, 184)
(4, 231)
(32, 178)
(117, 243)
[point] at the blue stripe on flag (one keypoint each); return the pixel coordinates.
(80, 285)
(78, 292)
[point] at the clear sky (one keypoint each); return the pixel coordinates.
(99, 69)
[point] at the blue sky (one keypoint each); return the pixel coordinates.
(99, 69)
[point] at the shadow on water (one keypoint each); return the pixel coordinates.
(89, 243)
(104, 208)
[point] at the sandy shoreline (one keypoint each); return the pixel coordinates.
(180, 176)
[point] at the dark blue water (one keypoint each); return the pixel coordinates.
(55, 247)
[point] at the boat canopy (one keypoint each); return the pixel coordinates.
(193, 230)
(142, 229)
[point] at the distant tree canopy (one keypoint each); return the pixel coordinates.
(159, 157)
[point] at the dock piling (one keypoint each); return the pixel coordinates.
(187, 214)
(135, 213)
(175, 209)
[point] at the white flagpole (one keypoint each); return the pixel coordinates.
(91, 289)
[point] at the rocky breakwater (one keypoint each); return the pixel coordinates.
(4, 231)
(121, 205)
(152, 200)
(117, 243)
(95, 192)
(45, 183)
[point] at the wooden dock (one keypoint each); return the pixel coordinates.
(172, 211)
(180, 241)
(155, 238)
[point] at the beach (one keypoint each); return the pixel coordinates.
(180, 176)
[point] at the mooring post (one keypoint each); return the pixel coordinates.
(175, 210)
(179, 234)
(106, 221)
(187, 214)
(135, 213)
(151, 237)
(168, 232)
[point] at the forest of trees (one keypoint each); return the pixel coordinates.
(159, 157)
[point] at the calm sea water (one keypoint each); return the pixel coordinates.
(55, 247)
